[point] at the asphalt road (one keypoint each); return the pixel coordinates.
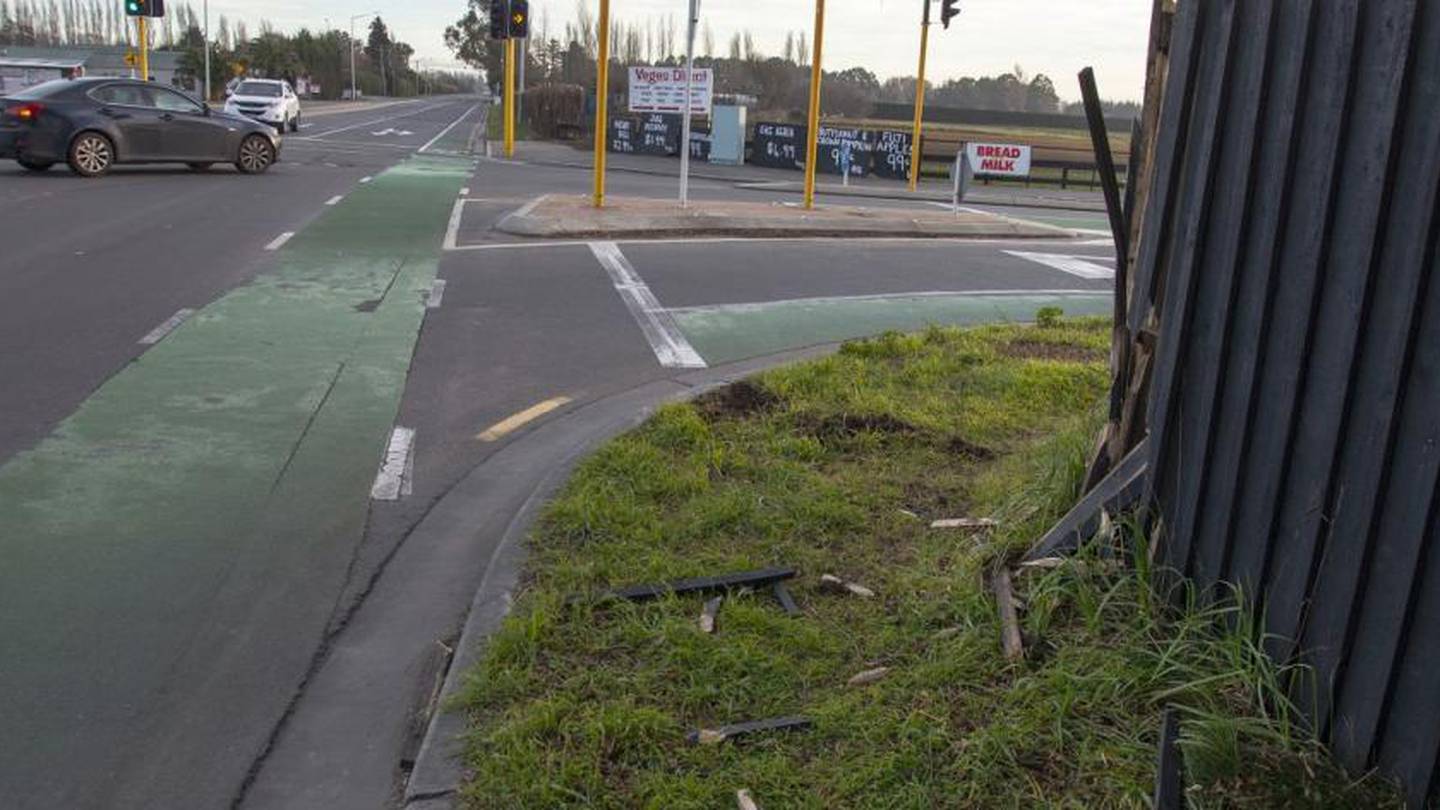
(217, 602)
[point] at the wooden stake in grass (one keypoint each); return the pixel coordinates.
(708, 614)
(869, 676)
(1009, 621)
(744, 802)
(834, 584)
(965, 523)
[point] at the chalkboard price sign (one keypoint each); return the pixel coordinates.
(841, 147)
(892, 154)
(623, 135)
(660, 134)
(779, 146)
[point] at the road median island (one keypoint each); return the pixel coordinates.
(574, 217)
(841, 466)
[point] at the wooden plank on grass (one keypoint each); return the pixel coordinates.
(724, 582)
(1010, 639)
(1121, 489)
(1169, 775)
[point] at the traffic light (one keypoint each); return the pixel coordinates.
(519, 19)
(948, 9)
(499, 19)
(145, 8)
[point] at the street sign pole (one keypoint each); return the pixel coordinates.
(919, 98)
(509, 109)
(812, 145)
(689, 102)
(602, 91)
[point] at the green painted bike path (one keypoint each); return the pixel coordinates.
(171, 555)
(730, 332)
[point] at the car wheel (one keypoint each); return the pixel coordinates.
(256, 154)
(91, 154)
(35, 165)
(199, 167)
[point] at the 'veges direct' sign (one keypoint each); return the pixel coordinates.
(1000, 159)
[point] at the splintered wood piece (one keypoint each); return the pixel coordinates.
(868, 677)
(859, 590)
(743, 801)
(1044, 562)
(711, 736)
(1009, 622)
(708, 614)
(787, 602)
(832, 583)
(965, 523)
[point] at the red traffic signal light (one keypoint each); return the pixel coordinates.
(948, 9)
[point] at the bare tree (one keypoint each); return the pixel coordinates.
(802, 50)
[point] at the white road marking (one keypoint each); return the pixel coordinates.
(306, 126)
(365, 180)
(432, 141)
(510, 424)
(756, 306)
(392, 131)
(436, 294)
(279, 240)
(465, 192)
(398, 468)
(363, 124)
(1082, 266)
(452, 229)
(710, 240)
(158, 333)
(335, 200)
(666, 340)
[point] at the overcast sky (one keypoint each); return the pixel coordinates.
(1054, 37)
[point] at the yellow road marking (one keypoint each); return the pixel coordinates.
(510, 424)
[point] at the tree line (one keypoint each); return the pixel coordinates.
(383, 65)
(779, 82)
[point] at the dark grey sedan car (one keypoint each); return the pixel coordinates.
(94, 123)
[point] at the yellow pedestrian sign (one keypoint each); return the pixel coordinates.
(130, 58)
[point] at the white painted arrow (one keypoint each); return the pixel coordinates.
(392, 131)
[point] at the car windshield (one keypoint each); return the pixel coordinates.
(257, 89)
(43, 89)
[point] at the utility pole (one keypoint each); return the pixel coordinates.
(602, 91)
(689, 103)
(812, 138)
(352, 51)
(919, 98)
(206, 5)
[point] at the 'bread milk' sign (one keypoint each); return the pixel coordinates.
(1000, 159)
(662, 90)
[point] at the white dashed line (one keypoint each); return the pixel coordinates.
(396, 471)
(666, 340)
(365, 180)
(1082, 266)
(452, 229)
(280, 240)
(335, 200)
(158, 333)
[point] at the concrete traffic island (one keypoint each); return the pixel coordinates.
(574, 217)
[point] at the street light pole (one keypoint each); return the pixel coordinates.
(352, 49)
(206, 5)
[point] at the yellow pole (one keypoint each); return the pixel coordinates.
(509, 98)
(812, 137)
(602, 90)
(144, 36)
(919, 99)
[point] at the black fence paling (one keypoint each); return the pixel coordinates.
(1290, 245)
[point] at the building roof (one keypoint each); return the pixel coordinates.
(92, 57)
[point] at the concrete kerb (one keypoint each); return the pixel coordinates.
(438, 772)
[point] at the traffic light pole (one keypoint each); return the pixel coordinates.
(143, 29)
(602, 92)
(919, 98)
(509, 109)
(812, 137)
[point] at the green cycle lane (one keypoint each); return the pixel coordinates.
(171, 555)
(728, 332)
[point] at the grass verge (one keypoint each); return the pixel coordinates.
(838, 466)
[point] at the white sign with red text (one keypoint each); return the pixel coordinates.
(1000, 159)
(662, 90)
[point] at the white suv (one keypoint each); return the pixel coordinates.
(268, 100)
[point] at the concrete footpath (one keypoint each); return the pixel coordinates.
(575, 217)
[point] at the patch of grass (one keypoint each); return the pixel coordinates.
(838, 466)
